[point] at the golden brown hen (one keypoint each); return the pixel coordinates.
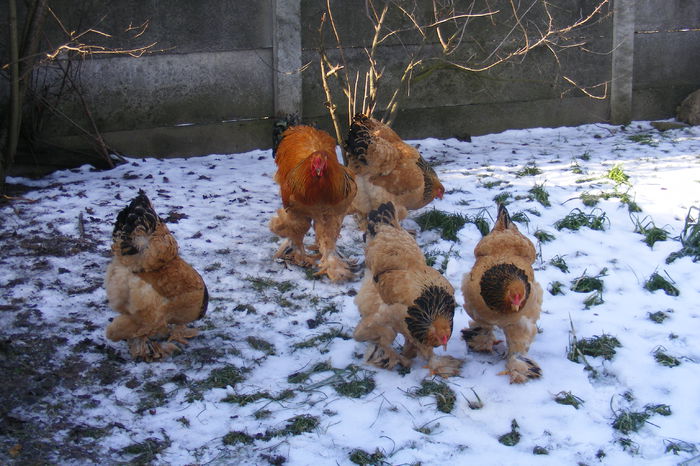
(401, 294)
(501, 291)
(387, 169)
(316, 190)
(156, 292)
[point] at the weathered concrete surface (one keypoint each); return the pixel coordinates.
(287, 57)
(622, 61)
(165, 90)
(222, 58)
(183, 141)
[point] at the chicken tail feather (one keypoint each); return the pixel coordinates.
(503, 220)
(281, 125)
(358, 139)
(384, 214)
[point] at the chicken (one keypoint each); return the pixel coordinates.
(316, 190)
(387, 169)
(401, 294)
(501, 291)
(156, 292)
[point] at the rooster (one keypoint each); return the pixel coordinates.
(156, 292)
(387, 169)
(316, 190)
(401, 294)
(501, 291)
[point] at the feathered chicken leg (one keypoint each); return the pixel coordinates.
(327, 230)
(479, 336)
(292, 228)
(519, 366)
(380, 352)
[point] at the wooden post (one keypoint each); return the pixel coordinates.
(622, 62)
(286, 52)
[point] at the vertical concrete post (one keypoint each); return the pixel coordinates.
(286, 52)
(622, 62)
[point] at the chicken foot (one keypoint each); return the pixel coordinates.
(180, 334)
(479, 337)
(292, 227)
(149, 350)
(519, 367)
(331, 264)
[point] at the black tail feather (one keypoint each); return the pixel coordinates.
(385, 213)
(503, 216)
(280, 127)
(139, 213)
(358, 139)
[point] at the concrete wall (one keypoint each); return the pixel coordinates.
(225, 68)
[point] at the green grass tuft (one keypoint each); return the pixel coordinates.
(298, 425)
(618, 175)
(665, 359)
(218, 378)
(237, 437)
(658, 316)
(325, 337)
(444, 395)
(568, 399)
(448, 224)
(657, 282)
(363, 458)
(596, 346)
(677, 446)
(644, 139)
(512, 438)
(244, 399)
(593, 299)
(261, 284)
(502, 198)
(560, 263)
(539, 194)
(630, 421)
(261, 345)
(555, 288)
(538, 450)
(577, 219)
(590, 200)
(543, 236)
(530, 169)
(660, 409)
(689, 237)
(586, 283)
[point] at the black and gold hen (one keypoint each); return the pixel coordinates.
(401, 294)
(501, 291)
(155, 291)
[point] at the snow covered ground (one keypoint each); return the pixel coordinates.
(275, 377)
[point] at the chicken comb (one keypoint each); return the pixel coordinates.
(385, 213)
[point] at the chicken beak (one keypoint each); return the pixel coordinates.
(444, 347)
